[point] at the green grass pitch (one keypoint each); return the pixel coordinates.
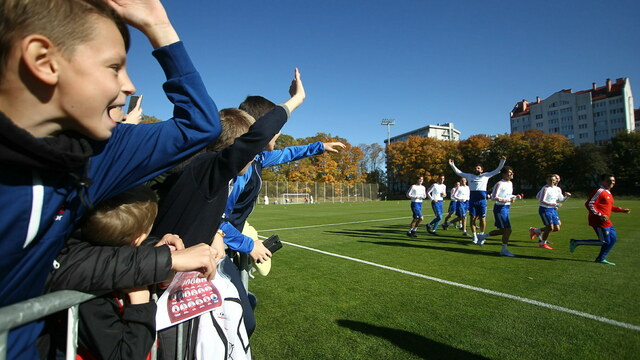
(317, 306)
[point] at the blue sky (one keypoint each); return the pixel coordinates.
(418, 61)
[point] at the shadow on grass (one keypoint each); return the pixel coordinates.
(413, 343)
(467, 250)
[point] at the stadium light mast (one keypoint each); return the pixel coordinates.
(388, 122)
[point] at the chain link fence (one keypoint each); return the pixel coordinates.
(304, 192)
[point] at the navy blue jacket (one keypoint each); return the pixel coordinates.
(44, 182)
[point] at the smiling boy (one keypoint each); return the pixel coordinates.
(62, 69)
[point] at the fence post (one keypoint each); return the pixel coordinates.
(72, 332)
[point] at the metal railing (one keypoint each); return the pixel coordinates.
(24, 312)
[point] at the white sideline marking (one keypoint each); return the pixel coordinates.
(474, 288)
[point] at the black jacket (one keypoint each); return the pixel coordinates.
(85, 267)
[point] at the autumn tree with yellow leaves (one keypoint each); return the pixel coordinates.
(343, 167)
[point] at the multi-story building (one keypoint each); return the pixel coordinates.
(440, 131)
(588, 116)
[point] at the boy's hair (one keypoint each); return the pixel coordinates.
(606, 176)
(119, 220)
(234, 122)
(505, 170)
(256, 106)
(65, 22)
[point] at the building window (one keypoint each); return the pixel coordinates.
(583, 135)
(582, 126)
(582, 117)
(538, 116)
(538, 124)
(552, 113)
(582, 107)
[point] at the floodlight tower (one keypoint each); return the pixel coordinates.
(388, 122)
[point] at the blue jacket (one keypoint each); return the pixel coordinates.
(40, 208)
(246, 188)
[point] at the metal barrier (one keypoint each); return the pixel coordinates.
(16, 315)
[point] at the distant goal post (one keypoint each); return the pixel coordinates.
(296, 198)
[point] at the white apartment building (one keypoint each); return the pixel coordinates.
(440, 132)
(588, 116)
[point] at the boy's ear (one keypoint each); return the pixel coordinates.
(40, 56)
(138, 241)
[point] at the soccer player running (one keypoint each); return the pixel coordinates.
(416, 193)
(453, 206)
(503, 196)
(462, 205)
(600, 205)
(436, 193)
(551, 198)
(478, 194)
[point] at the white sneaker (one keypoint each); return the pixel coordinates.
(475, 238)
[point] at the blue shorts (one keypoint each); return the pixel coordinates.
(453, 206)
(461, 211)
(437, 208)
(416, 209)
(549, 216)
(478, 208)
(501, 213)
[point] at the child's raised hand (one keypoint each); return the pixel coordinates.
(135, 115)
(334, 147)
(296, 90)
(148, 16)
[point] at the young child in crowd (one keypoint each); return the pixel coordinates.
(59, 78)
(194, 203)
(121, 324)
(246, 187)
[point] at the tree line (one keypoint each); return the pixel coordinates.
(533, 155)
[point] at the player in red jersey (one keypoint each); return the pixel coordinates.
(600, 205)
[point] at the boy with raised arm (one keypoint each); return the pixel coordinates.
(195, 201)
(62, 68)
(246, 187)
(478, 194)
